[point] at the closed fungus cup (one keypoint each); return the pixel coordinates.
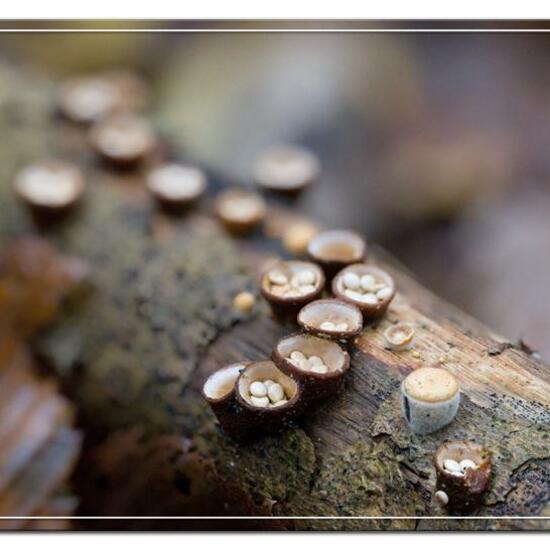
(50, 189)
(332, 319)
(429, 399)
(463, 471)
(368, 287)
(240, 211)
(336, 249)
(123, 139)
(288, 286)
(319, 365)
(175, 187)
(219, 392)
(267, 399)
(286, 169)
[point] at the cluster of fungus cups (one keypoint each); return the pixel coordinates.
(50, 189)
(254, 398)
(463, 471)
(429, 399)
(368, 287)
(289, 285)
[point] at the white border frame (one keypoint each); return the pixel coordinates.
(277, 30)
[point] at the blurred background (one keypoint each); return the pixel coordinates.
(434, 145)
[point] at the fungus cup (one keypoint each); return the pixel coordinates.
(286, 169)
(240, 211)
(399, 337)
(175, 187)
(368, 287)
(429, 399)
(336, 249)
(289, 285)
(123, 139)
(332, 319)
(463, 471)
(50, 189)
(317, 364)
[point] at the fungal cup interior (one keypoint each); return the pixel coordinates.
(314, 314)
(337, 246)
(331, 353)
(460, 450)
(291, 268)
(220, 384)
(364, 269)
(261, 371)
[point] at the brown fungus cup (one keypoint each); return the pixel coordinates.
(219, 392)
(333, 250)
(50, 189)
(332, 319)
(286, 169)
(123, 139)
(463, 471)
(267, 400)
(289, 285)
(240, 211)
(368, 287)
(87, 99)
(319, 365)
(176, 187)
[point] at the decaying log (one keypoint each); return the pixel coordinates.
(133, 356)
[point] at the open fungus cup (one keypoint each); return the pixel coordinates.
(219, 392)
(123, 139)
(332, 319)
(286, 169)
(319, 365)
(87, 99)
(463, 471)
(176, 187)
(51, 190)
(399, 337)
(368, 287)
(256, 417)
(336, 249)
(240, 211)
(289, 285)
(429, 399)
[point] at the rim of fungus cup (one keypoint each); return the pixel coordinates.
(233, 372)
(279, 358)
(280, 375)
(287, 266)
